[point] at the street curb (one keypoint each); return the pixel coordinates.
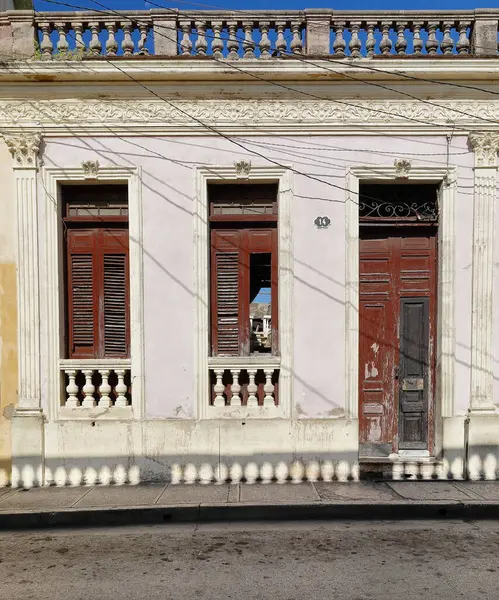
(246, 512)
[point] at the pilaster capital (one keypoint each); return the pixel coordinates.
(485, 145)
(24, 149)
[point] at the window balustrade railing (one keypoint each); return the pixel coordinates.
(96, 383)
(250, 382)
(236, 35)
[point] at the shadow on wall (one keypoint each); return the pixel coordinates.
(483, 464)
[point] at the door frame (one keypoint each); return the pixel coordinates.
(446, 177)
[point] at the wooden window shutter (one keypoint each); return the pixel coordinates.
(82, 293)
(226, 292)
(115, 315)
(98, 293)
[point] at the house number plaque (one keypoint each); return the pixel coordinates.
(322, 222)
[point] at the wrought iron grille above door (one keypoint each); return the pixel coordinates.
(387, 202)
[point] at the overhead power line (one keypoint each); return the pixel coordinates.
(227, 137)
(303, 92)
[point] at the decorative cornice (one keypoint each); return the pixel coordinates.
(138, 116)
(485, 145)
(24, 149)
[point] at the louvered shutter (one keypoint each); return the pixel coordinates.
(82, 310)
(226, 258)
(115, 317)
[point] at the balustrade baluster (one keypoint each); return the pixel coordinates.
(46, 45)
(219, 388)
(385, 46)
(232, 42)
(127, 44)
(111, 44)
(62, 44)
(463, 44)
(248, 43)
(371, 40)
(217, 45)
(401, 43)
(120, 388)
(252, 388)
(72, 390)
(280, 44)
(143, 30)
(264, 40)
(201, 43)
(88, 389)
(95, 46)
(432, 42)
(186, 42)
(105, 389)
(355, 44)
(447, 44)
(339, 43)
(235, 388)
(417, 42)
(78, 30)
(296, 45)
(268, 388)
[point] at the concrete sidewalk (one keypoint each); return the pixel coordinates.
(121, 505)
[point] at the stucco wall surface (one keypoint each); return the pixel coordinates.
(319, 165)
(8, 311)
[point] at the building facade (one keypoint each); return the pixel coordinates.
(248, 246)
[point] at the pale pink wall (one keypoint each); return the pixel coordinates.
(319, 256)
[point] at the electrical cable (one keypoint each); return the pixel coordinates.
(342, 102)
(225, 136)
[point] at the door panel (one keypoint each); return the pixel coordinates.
(413, 373)
(397, 320)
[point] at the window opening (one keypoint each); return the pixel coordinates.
(97, 271)
(243, 224)
(260, 300)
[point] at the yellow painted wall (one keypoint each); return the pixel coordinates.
(8, 311)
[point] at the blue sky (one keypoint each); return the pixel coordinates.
(281, 4)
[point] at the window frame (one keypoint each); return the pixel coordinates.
(283, 176)
(52, 287)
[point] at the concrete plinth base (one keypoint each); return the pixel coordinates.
(27, 448)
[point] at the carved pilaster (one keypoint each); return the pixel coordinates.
(446, 352)
(24, 150)
(485, 147)
(27, 422)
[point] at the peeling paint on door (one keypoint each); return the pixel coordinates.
(371, 371)
(374, 434)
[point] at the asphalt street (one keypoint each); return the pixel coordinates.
(407, 560)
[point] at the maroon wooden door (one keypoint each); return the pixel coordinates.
(397, 333)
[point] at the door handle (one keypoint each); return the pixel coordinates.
(396, 372)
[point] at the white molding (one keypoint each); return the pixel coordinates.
(306, 69)
(245, 116)
(24, 149)
(51, 270)
(283, 176)
(352, 295)
(113, 413)
(444, 389)
(95, 363)
(240, 362)
(485, 147)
